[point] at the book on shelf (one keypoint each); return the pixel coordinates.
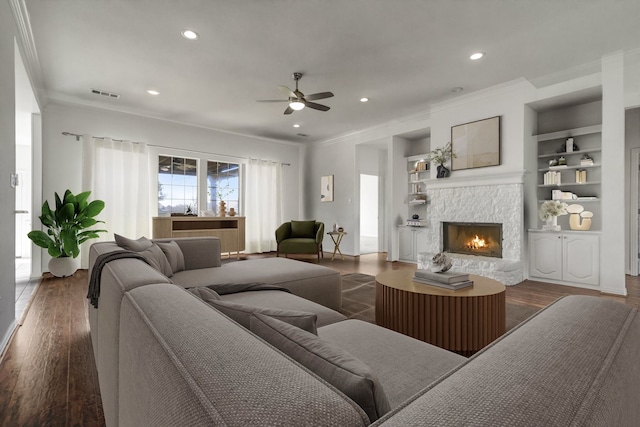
(450, 286)
(447, 277)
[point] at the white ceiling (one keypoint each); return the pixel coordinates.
(402, 54)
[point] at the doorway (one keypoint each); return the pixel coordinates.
(369, 202)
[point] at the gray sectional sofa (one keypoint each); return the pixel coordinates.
(166, 357)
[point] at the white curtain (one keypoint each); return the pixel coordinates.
(117, 172)
(263, 205)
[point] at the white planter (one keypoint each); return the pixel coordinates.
(63, 266)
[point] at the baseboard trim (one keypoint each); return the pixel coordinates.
(4, 344)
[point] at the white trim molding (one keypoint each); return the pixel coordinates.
(499, 178)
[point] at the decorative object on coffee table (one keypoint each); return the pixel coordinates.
(440, 263)
(67, 229)
(549, 212)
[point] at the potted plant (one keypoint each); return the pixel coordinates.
(440, 156)
(67, 228)
(549, 212)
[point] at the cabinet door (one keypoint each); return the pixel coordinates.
(405, 246)
(581, 258)
(421, 243)
(545, 255)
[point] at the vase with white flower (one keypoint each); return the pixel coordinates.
(549, 212)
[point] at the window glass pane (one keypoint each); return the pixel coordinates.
(223, 184)
(177, 185)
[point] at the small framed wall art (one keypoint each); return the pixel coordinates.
(476, 144)
(326, 188)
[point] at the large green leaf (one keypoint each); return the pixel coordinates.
(87, 222)
(54, 251)
(47, 218)
(70, 242)
(66, 213)
(94, 208)
(58, 201)
(40, 238)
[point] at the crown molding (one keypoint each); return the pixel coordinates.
(27, 47)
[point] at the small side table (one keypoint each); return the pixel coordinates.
(337, 236)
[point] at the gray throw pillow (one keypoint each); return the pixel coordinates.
(334, 365)
(156, 259)
(303, 229)
(174, 255)
(133, 245)
(205, 293)
(242, 314)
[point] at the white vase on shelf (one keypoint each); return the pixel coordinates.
(551, 224)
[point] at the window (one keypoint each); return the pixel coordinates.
(223, 184)
(177, 185)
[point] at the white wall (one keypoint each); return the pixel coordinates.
(7, 166)
(63, 157)
(632, 140)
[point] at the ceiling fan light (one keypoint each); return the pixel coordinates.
(296, 105)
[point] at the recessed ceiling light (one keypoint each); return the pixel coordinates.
(476, 56)
(364, 99)
(153, 92)
(190, 34)
(296, 125)
(457, 89)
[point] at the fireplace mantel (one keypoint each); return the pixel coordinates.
(509, 177)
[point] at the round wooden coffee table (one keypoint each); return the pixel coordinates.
(463, 321)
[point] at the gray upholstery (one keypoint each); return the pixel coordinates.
(174, 255)
(164, 357)
(336, 366)
(283, 300)
(199, 368)
(402, 364)
(574, 363)
(241, 313)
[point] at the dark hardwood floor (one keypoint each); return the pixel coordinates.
(48, 375)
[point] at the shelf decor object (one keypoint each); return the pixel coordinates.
(477, 144)
(549, 212)
(579, 218)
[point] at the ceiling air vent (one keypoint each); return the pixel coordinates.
(302, 134)
(105, 93)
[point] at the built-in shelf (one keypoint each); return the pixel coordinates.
(555, 168)
(569, 184)
(564, 153)
(587, 130)
(578, 201)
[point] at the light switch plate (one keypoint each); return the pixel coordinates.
(13, 180)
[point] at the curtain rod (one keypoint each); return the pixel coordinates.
(78, 136)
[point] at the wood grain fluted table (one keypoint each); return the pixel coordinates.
(462, 321)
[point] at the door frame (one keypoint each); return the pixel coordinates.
(634, 207)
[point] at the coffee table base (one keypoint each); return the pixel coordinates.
(460, 324)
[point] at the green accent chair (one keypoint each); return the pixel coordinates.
(300, 237)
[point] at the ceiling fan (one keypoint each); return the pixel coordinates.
(297, 100)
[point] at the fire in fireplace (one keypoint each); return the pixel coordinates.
(472, 238)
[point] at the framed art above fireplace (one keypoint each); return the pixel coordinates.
(476, 144)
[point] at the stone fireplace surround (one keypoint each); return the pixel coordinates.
(497, 198)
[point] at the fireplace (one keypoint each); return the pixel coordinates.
(472, 238)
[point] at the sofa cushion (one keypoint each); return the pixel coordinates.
(156, 259)
(303, 229)
(133, 245)
(336, 366)
(205, 293)
(174, 255)
(242, 314)
(285, 301)
(404, 365)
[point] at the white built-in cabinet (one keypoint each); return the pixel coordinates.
(412, 241)
(566, 257)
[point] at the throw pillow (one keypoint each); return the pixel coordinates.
(204, 293)
(174, 255)
(303, 229)
(334, 365)
(133, 245)
(156, 259)
(242, 314)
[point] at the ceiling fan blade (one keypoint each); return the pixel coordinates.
(273, 100)
(321, 95)
(288, 92)
(289, 110)
(316, 106)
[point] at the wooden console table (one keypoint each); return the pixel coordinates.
(463, 321)
(230, 230)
